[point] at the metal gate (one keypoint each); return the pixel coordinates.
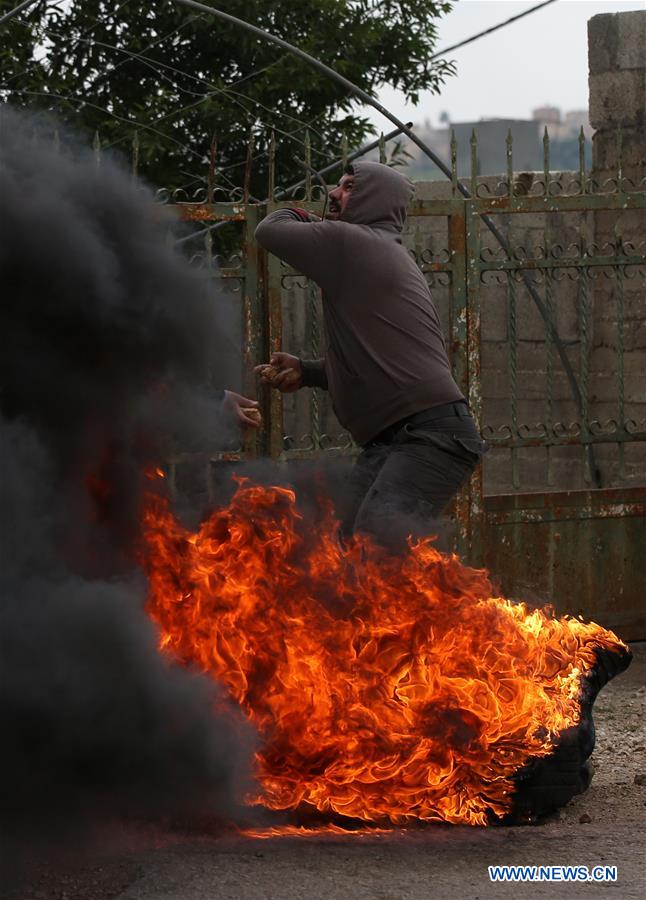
(542, 340)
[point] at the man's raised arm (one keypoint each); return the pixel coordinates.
(303, 241)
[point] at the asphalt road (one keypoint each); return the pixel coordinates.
(446, 862)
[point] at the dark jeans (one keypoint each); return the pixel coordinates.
(405, 477)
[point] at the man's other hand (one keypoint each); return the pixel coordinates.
(283, 372)
(243, 410)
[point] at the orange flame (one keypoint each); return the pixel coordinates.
(300, 831)
(418, 702)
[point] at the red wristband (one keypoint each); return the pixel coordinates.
(301, 213)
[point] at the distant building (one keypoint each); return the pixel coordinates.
(438, 139)
(547, 115)
(563, 128)
(577, 119)
(492, 146)
(527, 135)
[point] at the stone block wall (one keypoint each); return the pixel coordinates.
(617, 83)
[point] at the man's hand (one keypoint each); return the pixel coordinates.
(243, 410)
(283, 372)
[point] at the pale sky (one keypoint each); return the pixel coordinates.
(537, 61)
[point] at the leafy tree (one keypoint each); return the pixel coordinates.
(177, 77)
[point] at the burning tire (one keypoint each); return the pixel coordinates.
(394, 690)
(546, 784)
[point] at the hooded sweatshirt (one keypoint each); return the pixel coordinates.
(385, 357)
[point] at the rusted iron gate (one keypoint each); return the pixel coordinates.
(581, 548)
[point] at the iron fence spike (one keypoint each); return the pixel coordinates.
(509, 155)
(582, 175)
(211, 176)
(620, 163)
(271, 169)
(248, 166)
(454, 161)
(474, 162)
(135, 154)
(308, 165)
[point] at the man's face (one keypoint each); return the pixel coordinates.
(339, 197)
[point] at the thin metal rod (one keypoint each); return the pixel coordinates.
(18, 9)
(441, 165)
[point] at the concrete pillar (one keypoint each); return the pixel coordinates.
(617, 62)
(617, 83)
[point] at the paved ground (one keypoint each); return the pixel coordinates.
(604, 826)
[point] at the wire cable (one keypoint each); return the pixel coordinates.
(82, 100)
(154, 64)
(233, 95)
(18, 9)
(202, 97)
(491, 30)
(148, 60)
(31, 26)
(70, 98)
(122, 62)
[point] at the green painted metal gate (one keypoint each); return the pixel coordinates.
(544, 339)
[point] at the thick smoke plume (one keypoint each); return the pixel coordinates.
(108, 341)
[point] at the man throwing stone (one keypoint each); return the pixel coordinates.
(385, 364)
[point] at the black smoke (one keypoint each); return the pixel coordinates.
(109, 358)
